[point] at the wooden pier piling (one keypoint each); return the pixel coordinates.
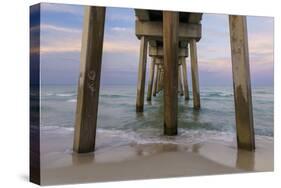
(242, 82)
(194, 74)
(160, 78)
(180, 85)
(170, 39)
(151, 78)
(185, 80)
(170, 43)
(141, 74)
(155, 80)
(89, 80)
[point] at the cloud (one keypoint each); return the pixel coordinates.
(120, 47)
(58, 39)
(215, 65)
(121, 40)
(75, 46)
(60, 29)
(122, 29)
(119, 17)
(215, 53)
(124, 15)
(61, 47)
(218, 59)
(260, 43)
(62, 8)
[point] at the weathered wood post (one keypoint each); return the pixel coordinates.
(241, 82)
(89, 80)
(170, 42)
(180, 82)
(194, 74)
(151, 78)
(156, 80)
(160, 75)
(184, 75)
(141, 74)
(161, 80)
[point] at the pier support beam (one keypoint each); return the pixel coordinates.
(141, 75)
(161, 82)
(156, 81)
(184, 75)
(170, 42)
(180, 81)
(194, 74)
(89, 80)
(151, 78)
(242, 82)
(160, 75)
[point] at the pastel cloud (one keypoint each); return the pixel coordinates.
(121, 47)
(61, 8)
(214, 48)
(60, 29)
(63, 39)
(260, 49)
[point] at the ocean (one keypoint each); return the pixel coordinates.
(117, 116)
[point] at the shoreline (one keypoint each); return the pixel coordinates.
(118, 159)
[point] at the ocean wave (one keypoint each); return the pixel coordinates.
(184, 137)
(114, 96)
(65, 94)
(154, 136)
(217, 95)
(56, 129)
(72, 100)
(48, 94)
(263, 92)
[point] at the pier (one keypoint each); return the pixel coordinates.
(168, 38)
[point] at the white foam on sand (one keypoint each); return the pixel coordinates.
(185, 137)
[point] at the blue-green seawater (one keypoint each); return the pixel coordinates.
(117, 116)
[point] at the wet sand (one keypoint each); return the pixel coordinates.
(116, 159)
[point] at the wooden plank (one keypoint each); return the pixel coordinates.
(156, 80)
(141, 75)
(170, 42)
(150, 82)
(194, 74)
(185, 80)
(159, 61)
(154, 31)
(89, 80)
(195, 18)
(153, 43)
(142, 14)
(184, 44)
(242, 82)
(158, 51)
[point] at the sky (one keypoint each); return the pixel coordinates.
(61, 33)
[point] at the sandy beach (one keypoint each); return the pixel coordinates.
(116, 159)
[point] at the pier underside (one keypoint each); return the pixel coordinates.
(168, 38)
